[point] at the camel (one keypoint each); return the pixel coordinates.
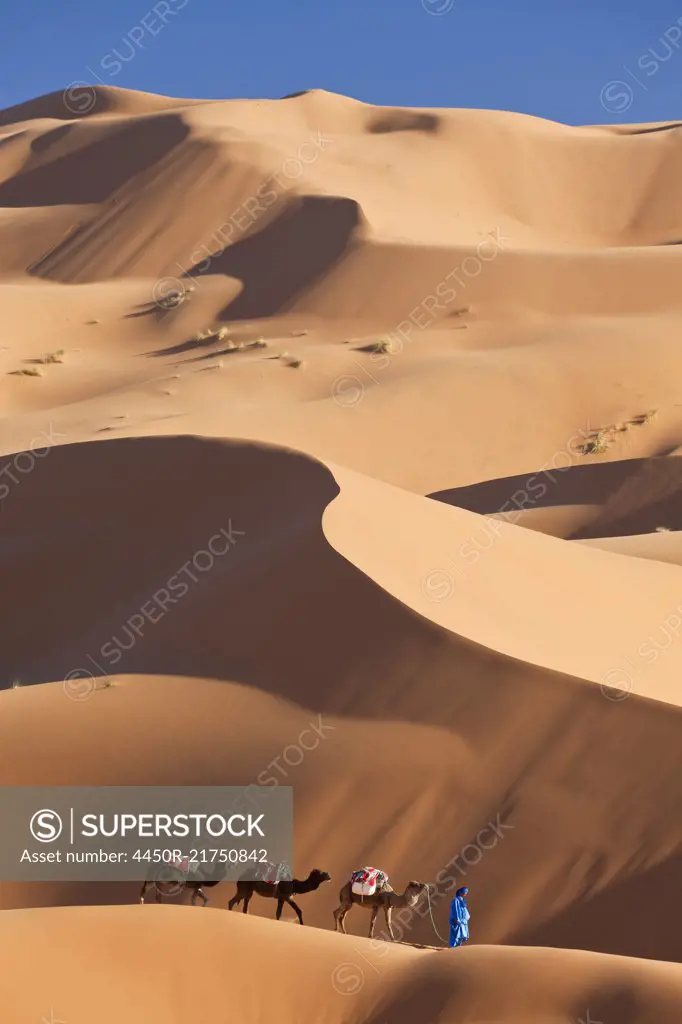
(280, 891)
(173, 886)
(387, 899)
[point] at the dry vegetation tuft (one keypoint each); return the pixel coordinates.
(53, 357)
(27, 371)
(293, 361)
(173, 299)
(601, 440)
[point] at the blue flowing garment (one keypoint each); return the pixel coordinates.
(459, 921)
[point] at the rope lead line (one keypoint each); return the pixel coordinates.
(428, 897)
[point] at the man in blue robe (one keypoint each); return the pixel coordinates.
(459, 919)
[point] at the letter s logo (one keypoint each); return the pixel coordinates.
(46, 826)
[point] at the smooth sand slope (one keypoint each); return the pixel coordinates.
(477, 616)
(200, 967)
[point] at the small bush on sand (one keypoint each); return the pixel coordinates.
(53, 357)
(172, 300)
(291, 361)
(215, 333)
(642, 419)
(256, 343)
(596, 445)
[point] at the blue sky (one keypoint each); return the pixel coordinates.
(578, 61)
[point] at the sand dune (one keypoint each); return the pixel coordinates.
(413, 641)
(485, 581)
(591, 189)
(201, 965)
(552, 864)
(439, 433)
(67, 106)
(598, 501)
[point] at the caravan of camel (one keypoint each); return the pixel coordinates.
(368, 888)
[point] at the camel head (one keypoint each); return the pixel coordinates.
(318, 877)
(413, 891)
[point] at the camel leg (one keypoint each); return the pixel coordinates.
(375, 911)
(199, 892)
(143, 891)
(247, 900)
(235, 901)
(387, 912)
(280, 907)
(340, 917)
(296, 908)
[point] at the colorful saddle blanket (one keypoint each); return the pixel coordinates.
(274, 873)
(368, 880)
